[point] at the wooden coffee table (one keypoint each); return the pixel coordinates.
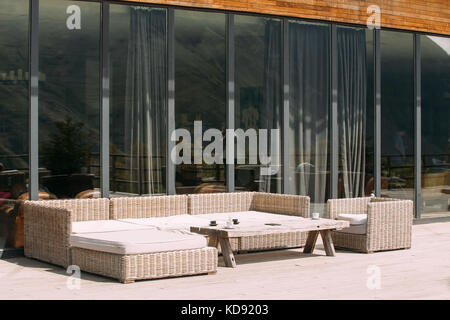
(222, 235)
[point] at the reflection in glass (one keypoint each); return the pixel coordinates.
(13, 119)
(258, 99)
(69, 111)
(200, 92)
(309, 146)
(355, 112)
(397, 115)
(435, 60)
(138, 100)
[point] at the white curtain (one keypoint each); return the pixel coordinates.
(309, 103)
(352, 109)
(146, 96)
(271, 100)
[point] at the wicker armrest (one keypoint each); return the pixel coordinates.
(389, 224)
(47, 232)
(350, 205)
(287, 204)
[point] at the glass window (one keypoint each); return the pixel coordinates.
(435, 60)
(69, 111)
(258, 101)
(397, 115)
(200, 97)
(309, 145)
(138, 121)
(13, 119)
(355, 112)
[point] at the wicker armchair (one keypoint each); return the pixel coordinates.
(388, 226)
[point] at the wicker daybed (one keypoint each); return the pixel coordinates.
(49, 236)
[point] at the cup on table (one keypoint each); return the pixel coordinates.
(213, 223)
(235, 221)
(316, 215)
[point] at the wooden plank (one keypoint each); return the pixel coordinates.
(213, 241)
(417, 15)
(250, 228)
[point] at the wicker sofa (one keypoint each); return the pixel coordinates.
(76, 232)
(376, 224)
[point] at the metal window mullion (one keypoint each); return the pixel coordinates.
(170, 175)
(285, 112)
(334, 113)
(230, 57)
(417, 126)
(377, 111)
(105, 95)
(33, 91)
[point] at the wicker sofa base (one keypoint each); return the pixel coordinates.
(267, 242)
(127, 268)
(354, 242)
(273, 241)
(359, 243)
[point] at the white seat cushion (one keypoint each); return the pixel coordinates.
(354, 219)
(179, 222)
(104, 226)
(137, 241)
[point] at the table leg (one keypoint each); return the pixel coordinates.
(227, 253)
(327, 242)
(311, 241)
(213, 241)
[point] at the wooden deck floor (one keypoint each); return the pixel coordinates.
(422, 272)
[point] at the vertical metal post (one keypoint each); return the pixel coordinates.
(334, 141)
(377, 110)
(285, 112)
(105, 93)
(230, 54)
(33, 114)
(170, 175)
(417, 127)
